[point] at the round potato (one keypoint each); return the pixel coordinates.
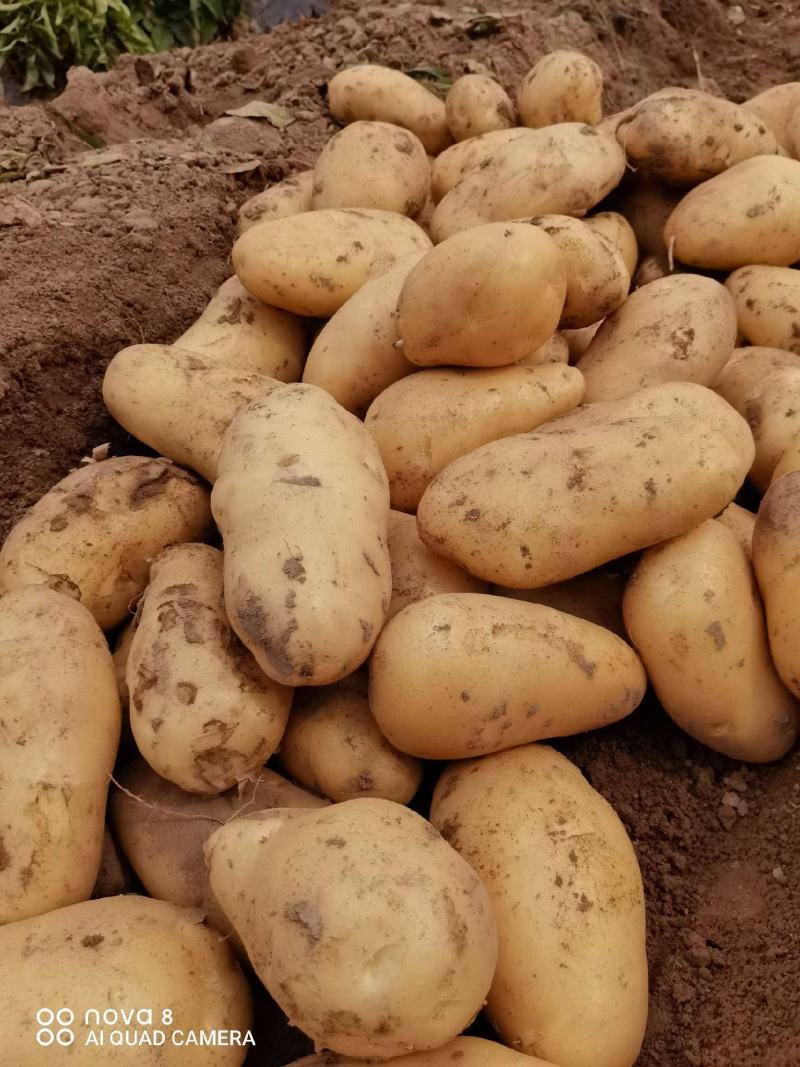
(408, 968)
(571, 978)
(460, 158)
(647, 205)
(768, 305)
(463, 1052)
(563, 86)
(775, 107)
(477, 104)
(595, 596)
(292, 196)
(554, 350)
(620, 232)
(790, 461)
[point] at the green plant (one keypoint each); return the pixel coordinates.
(173, 23)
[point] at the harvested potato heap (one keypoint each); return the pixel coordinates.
(455, 454)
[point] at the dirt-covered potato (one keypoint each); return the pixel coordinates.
(650, 270)
(292, 196)
(775, 107)
(746, 215)
(311, 263)
(93, 534)
(302, 502)
(620, 232)
(449, 167)
(741, 522)
(564, 169)
(554, 350)
(571, 978)
(463, 1052)
(676, 329)
(790, 461)
(608, 479)
(768, 305)
(372, 934)
(647, 205)
(381, 94)
(595, 596)
(477, 104)
(563, 86)
(693, 611)
(60, 715)
(490, 272)
(455, 411)
(579, 340)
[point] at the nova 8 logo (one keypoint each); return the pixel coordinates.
(127, 1027)
(55, 1027)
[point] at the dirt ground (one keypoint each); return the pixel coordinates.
(117, 204)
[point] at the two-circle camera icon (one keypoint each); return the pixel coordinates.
(55, 1027)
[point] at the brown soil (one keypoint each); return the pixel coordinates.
(101, 247)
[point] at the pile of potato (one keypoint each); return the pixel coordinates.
(475, 409)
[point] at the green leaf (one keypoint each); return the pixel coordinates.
(438, 75)
(278, 116)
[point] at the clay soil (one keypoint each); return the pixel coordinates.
(118, 228)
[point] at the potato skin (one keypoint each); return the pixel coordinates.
(477, 104)
(679, 328)
(620, 232)
(464, 156)
(554, 350)
(563, 86)
(571, 978)
(693, 611)
(292, 196)
(312, 263)
(767, 305)
(589, 487)
(595, 596)
(93, 534)
(463, 1052)
(455, 411)
(407, 969)
(61, 721)
(492, 270)
(463, 674)
(775, 107)
(302, 502)
(741, 522)
(790, 461)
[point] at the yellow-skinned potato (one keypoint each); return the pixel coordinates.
(579, 340)
(679, 328)
(457, 160)
(463, 674)
(693, 612)
(292, 196)
(564, 169)
(563, 86)
(372, 165)
(377, 93)
(202, 713)
(650, 270)
(768, 305)
(237, 330)
(647, 205)
(620, 232)
(775, 107)
(60, 711)
(793, 134)
(302, 502)
(477, 104)
(121, 954)
(312, 263)
(490, 270)
(790, 461)
(746, 215)
(741, 522)
(589, 487)
(407, 969)
(463, 1052)
(595, 596)
(455, 411)
(355, 355)
(571, 978)
(93, 534)
(554, 350)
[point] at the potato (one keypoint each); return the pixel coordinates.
(620, 232)
(368, 91)
(93, 534)
(579, 340)
(312, 263)
(650, 270)
(372, 165)
(554, 350)
(564, 169)
(571, 978)
(455, 411)
(775, 107)
(790, 460)
(491, 271)
(355, 355)
(477, 104)
(407, 968)
(457, 160)
(676, 329)
(178, 403)
(463, 1052)
(768, 305)
(693, 612)
(741, 523)
(589, 487)
(302, 503)
(595, 596)
(763, 384)
(746, 215)
(61, 719)
(93, 961)
(647, 205)
(236, 330)
(292, 196)
(793, 134)
(776, 558)
(563, 86)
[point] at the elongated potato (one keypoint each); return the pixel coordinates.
(372, 92)
(463, 1052)
(768, 305)
(563, 86)
(693, 611)
(564, 169)
(455, 411)
(477, 104)
(464, 156)
(746, 215)
(589, 487)
(571, 978)
(790, 461)
(93, 534)
(680, 328)
(311, 263)
(775, 107)
(237, 330)
(292, 196)
(647, 205)
(595, 596)
(61, 720)
(408, 968)
(463, 674)
(491, 271)
(620, 232)
(554, 350)
(741, 523)
(302, 503)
